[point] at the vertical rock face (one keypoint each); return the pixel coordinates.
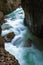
(37, 14)
(34, 9)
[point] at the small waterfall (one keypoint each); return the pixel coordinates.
(25, 55)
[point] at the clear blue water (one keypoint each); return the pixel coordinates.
(26, 55)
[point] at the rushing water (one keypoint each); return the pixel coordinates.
(26, 55)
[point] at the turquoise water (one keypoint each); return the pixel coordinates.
(26, 55)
